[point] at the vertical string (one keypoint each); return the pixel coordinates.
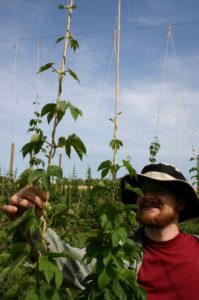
(162, 79)
(183, 99)
(14, 96)
(37, 78)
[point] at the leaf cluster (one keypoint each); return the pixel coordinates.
(154, 149)
(194, 172)
(113, 251)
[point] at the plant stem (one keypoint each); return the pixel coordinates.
(59, 93)
(60, 79)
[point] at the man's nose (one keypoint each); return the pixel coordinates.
(148, 194)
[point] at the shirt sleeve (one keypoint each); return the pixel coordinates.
(74, 269)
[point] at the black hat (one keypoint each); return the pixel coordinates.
(169, 175)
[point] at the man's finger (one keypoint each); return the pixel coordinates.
(26, 197)
(10, 209)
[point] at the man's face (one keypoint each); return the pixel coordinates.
(157, 207)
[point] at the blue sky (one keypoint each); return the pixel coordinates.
(28, 30)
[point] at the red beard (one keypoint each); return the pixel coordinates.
(161, 219)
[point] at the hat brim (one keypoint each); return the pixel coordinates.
(180, 186)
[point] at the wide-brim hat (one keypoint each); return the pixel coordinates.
(172, 178)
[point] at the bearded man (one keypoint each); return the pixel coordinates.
(170, 266)
(169, 269)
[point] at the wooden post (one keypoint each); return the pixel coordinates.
(12, 159)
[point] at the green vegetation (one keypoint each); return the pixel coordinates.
(82, 213)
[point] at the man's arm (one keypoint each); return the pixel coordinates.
(74, 269)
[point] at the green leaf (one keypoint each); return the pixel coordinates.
(48, 108)
(45, 182)
(61, 38)
(105, 165)
(35, 138)
(129, 168)
(12, 292)
(55, 171)
(119, 235)
(23, 178)
(74, 44)
(37, 161)
(50, 270)
(59, 209)
(109, 295)
(28, 212)
(48, 273)
(67, 254)
(35, 175)
(118, 290)
(77, 144)
(103, 279)
(31, 225)
(47, 268)
(73, 74)
(104, 220)
(31, 295)
(133, 189)
(67, 147)
(4, 272)
(104, 172)
(43, 263)
(62, 6)
(115, 144)
(75, 111)
(62, 105)
(45, 67)
(34, 145)
(61, 141)
(4, 256)
(58, 277)
(20, 247)
(27, 148)
(107, 259)
(15, 264)
(55, 296)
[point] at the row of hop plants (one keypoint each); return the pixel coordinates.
(28, 271)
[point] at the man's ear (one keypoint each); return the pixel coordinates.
(182, 203)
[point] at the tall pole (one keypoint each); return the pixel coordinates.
(117, 86)
(12, 159)
(115, 119)
(60, 160)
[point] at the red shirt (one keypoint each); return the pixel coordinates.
(170, 270)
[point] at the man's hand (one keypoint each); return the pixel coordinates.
(25, 198)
